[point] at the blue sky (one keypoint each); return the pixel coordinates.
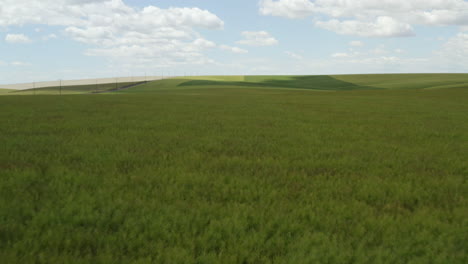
(44, 40)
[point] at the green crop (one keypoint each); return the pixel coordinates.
(170, 172)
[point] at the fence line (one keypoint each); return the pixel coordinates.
(65, 83)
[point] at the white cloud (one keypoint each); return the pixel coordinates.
(451, 57)
(78, 2)
(383, 27)
(341, 55)
(102, 13)
(356, 43)
(17, 38)
(379, 51)
(169, 52)
(233, 49)
(454, 52)
(365, 62)
(293, 55)
(372, 18)
(257, 38)
(386, 60)
(444, 16)
(204, 44)
(116, 30)
(287, 8)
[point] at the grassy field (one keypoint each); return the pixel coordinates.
(318, 82)
(74, 89)
(408, 81)
(176, 171)
(4, 91)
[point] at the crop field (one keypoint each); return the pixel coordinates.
(4, 91)
(73, 89)
(239, 169)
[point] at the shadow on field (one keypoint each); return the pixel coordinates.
(320, 82)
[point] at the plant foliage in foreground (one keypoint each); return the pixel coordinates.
(222, 175)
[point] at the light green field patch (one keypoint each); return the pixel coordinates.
(5, 91)
(263, 78)
(407, 81)
(227, 78)
(46, 91)
(77, 89)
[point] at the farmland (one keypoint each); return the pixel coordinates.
(239, 169)
(4, 91)
(69, 90)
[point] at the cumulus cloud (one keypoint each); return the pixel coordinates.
(17, 38)
(372, 18)
(117, 30)
(383, 27)
(455, 51)
(233, 49)
(379, 50)
(452, 56)
(287, 8)
(358, 62)
(204, 44)
(79, 2)
(167, 52)
(387, 60)
(257, 38)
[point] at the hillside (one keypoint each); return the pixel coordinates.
(313, 82)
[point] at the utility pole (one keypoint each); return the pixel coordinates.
(96, 85)
(60, 91)
(34, 88)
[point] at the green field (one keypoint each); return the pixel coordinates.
(318, 82)
(243, 169)
(73, 89)
(4, 91)
(408, 81)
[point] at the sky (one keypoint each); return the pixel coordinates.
(46, 40)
